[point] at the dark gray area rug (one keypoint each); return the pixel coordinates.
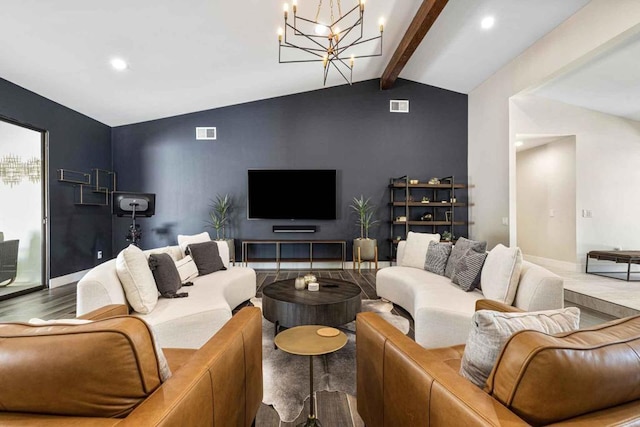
(286, 376)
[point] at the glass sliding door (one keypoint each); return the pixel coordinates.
(22, 210)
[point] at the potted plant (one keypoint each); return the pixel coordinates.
(364, 210)
(220, 220)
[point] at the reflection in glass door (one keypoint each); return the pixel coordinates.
(22, 210)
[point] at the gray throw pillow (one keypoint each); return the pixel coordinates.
(490, 331)
(437, 256)
(165, 273)
(467, 271)
(206, 257)
(459, 249)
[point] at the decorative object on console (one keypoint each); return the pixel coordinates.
(416, 249)
(364, 248)
(314, 287)
(343, 32)
(490, 330)
(309, 278)
(459, 250)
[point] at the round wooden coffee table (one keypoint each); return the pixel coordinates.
(305, 341)
(336, 303)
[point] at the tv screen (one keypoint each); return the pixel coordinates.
(291, 194)
(123, 203)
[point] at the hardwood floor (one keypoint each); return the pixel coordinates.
(334, 409)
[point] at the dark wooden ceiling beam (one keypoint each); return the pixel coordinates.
(422, 22)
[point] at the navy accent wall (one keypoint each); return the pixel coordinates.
(348, 128)
(75, 142)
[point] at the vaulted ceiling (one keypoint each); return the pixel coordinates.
(193, 55)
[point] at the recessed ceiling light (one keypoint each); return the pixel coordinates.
(487, 22)
(519, 144)
(119, 64)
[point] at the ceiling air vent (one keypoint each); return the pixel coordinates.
(399, 106)
(205, 133)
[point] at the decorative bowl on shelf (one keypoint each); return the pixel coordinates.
(434, 181)
(414, 181)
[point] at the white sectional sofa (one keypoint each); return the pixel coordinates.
(442, 311)
(181, 322)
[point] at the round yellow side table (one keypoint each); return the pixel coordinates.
(305, 341)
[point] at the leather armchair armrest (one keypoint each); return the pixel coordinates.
(489, 304)
(111, 310)
(402, 383)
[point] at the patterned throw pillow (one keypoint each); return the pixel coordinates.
(437, 256)
(466, 273)
(490, 330)
(459, 249)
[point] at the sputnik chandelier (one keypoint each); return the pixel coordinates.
(328, 43)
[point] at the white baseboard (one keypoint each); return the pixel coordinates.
(555, 264)
(56, 282)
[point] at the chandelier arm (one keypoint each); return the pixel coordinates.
(310, 38)
(345, 15)
(340, 71)
(348, 30)
(306, 49)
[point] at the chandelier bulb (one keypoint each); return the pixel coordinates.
(294, 6)
(320, 29)
(280, 32)
(352, 59)
(325, 60)
(381, 22)
(286, 11)
(362, 5)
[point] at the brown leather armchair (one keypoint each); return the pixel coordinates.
(589, 377)
(218, 385)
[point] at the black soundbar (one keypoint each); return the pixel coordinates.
(294, 228)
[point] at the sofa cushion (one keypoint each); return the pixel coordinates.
(545, 378)
(501, 273)
(137, 280)
(165, 273)
(206, 257)
(491, 329)
(99, 369)
(466, 273)
(459, 250)
(437, 256)
(187, 269)
(174, 252)
(415, 252)
(186, 240)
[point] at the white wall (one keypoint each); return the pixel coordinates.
(546, 200)
(491, 154)
(607, 168)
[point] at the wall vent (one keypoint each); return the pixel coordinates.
(399, 106)
(204, 133)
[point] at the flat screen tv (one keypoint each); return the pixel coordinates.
(291, 194)
(123, 203)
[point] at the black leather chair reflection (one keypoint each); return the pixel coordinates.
(8, 261)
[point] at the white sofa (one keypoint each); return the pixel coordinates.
(442, 311)
(181, 322)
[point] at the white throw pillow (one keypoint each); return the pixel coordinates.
(163, 365)
(187, 269)
(490, 330)
(137, 280)
(174, 252)
(415, 251)
(501, 274)
(186, 240)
